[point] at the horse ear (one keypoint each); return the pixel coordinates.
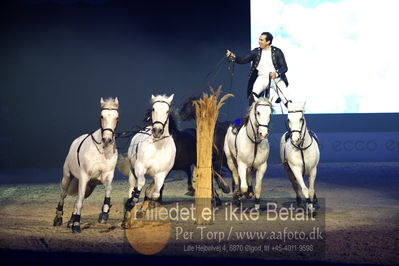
(152, 97)
(255, 98)
(102, 101)
(170, 99)
(116, 101)
(271, 99)
(303, 106)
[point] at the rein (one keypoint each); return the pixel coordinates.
(105, 129)
(302, 136)
(102, 131)
(159, 122)
(254, 141)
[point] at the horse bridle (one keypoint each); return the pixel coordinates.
(253, 130)
(258, 125)
(109, 129)
(301, 136)
(302, 139)
(159, 122)
(102, 131)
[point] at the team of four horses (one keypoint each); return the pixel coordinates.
(161, 147)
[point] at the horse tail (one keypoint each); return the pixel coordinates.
(123, 164)
(73, 187)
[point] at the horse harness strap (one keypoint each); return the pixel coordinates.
(105, 129)
(81, 143)
(254, 141)
(299, 147)
(255, 148)
(145, 132)
(253, 129)
(91, 134)
(159, 122)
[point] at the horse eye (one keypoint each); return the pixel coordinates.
(257, 113)
(153, 109)
(102, 117)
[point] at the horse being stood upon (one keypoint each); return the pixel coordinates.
(91, 161)
(248, 149)
(299, 152)
(151, 152)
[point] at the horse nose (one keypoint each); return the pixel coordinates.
(263, 134)
(157, 132)
(106, 140)
(295, 137)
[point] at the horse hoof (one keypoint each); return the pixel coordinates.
(249, 195)
(299, 203)
(237, 202)
(76, 229)
(218, 202)
(126, 218)
(257, 207)
(250, 192)
(190, 193)
(124, 224)
(140, 214)
(103, 218)
(237, 198)
(224, 187)
(57, 221)
(315, 200)
(153, 205)
(70, 223)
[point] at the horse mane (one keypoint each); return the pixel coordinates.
(110, 103)
(187, 110)
(159, 98)
(147, 118)
(173, 122)
(260, 100)
(190, 99)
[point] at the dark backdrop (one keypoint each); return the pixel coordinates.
(58, 57)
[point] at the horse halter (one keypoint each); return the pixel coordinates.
(159, 122)
(258, 125)
(109, 129)
(301, 137)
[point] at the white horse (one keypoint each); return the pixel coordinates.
(91, 160)
(249, 148)
(151, 152)
(299, 153)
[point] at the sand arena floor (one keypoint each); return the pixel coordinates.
(359, 219)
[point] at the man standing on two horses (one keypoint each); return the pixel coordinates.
(267, 74)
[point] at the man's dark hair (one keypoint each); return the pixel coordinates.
(269, 36)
